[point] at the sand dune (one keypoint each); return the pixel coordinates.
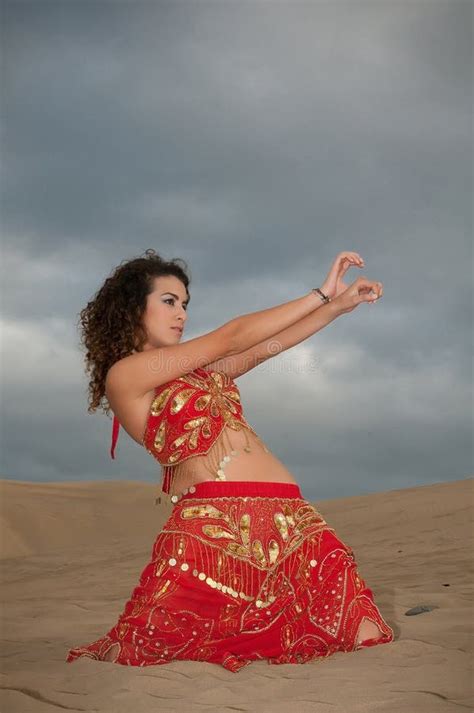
(72, 552)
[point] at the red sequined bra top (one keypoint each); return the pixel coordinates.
(189, 417)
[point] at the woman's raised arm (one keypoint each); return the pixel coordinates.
(141, 372)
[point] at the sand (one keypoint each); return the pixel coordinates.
(72, 553)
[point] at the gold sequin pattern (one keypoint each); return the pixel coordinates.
(218, 405)
(228, 568)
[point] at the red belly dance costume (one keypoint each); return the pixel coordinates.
(242, 570)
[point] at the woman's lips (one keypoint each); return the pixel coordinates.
(177, 329)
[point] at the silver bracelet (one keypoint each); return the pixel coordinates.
(321, 294)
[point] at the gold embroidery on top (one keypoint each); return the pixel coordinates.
(159, 402)
(220, 406)
(160, 437)
(221, 399)
(181, 400)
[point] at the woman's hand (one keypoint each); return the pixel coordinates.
(362, 290)
(333, 284)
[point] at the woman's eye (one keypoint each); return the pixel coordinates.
(170, 299)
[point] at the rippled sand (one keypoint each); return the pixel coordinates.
(70, 563)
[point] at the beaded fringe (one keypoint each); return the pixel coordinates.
(184, 472)
(291, 589)
(231, 573)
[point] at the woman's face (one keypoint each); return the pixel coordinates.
(165, 310)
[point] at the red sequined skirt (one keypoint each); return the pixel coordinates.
(242, 571)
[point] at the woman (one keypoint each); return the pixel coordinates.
(244, 568)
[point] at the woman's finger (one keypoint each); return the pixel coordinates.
(369, 291)
(377, 289)
(356, 258)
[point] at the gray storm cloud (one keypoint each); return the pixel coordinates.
(255, 140)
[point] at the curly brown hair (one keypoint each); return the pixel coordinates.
(111, 323)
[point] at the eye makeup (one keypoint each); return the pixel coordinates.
(185, 303)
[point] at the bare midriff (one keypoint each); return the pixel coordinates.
(235, 456)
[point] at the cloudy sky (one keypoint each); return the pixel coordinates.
(256, 140)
